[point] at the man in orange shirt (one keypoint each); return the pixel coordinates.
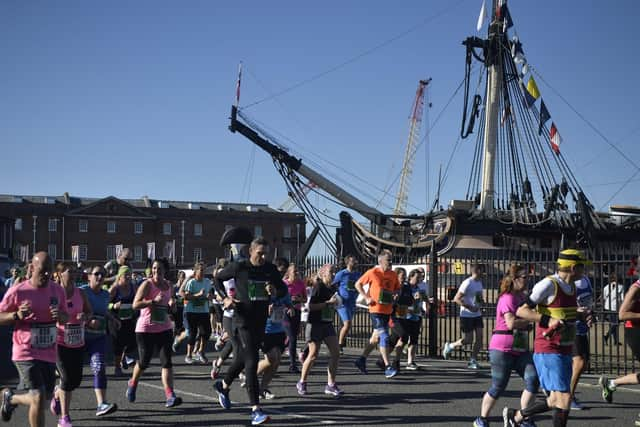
(383, 287)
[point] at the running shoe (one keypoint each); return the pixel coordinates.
(637, 423)
(6, 408)
(412, 366)
(128, 362)
(203, 359)
(131, 392)
(446, 350)
(173, 401)
(333, 390)
(189, 360)
(196, 358)
(390, 372)
(223, 395)
(576, 406)
(106, 408)
(473, 364)
(480, 422)
(508, 416)
(65, 421)
(361, 364)
(267, 395)
(258, 417)
(301, 387)
(607, 391)
(54, 406)
(219, 345)
(294, 369)
(215, 372)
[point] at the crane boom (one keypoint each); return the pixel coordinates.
(415, 120)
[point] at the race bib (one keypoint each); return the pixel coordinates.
(402, 310)
(277, 314)
(385, 297)
(43, 335)
(520, 341)
(102, 325)
(327, 313)
(125, 312)
(351, 285)
(568, 334)
(74, 335)
(258, 291)
(159, 314)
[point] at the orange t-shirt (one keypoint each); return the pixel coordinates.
(382, 285)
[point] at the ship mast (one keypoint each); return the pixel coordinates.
(492, 109)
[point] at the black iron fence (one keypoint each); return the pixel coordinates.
(610, 356)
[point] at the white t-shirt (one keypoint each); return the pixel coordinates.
(612, 295)
(230, 288)
(472, 295)
(544, 291)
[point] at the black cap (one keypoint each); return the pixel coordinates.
(236, 235)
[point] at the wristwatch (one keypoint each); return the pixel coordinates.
(15, 316)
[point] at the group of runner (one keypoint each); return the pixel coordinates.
(56, 325)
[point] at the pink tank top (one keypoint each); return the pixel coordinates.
(155, 318)
(71, 334)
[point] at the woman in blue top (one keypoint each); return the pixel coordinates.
(346, 279)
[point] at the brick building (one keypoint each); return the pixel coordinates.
(179, 230)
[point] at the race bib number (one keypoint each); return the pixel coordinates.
(258, 291)
(385, 297)
(125, 312)
(520, 341)
(327, 313)
(351, 285)
(159, 314)
(402, 310)
(277, 314)
(43, 335)
(568, 335)
(74, 334)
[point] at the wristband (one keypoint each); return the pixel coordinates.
(544, 320)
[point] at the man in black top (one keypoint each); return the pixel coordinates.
(256, 281)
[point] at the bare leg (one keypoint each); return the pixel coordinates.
(101, 395)
(477, 345)
(309, 361)
(167, 378)
(487, 404)
(344, 331)
(65, 401)
(579, 365)
(334, 356)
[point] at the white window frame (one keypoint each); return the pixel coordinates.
(138, 228)
(111, 252)
(18, 224)
(83, 225)
(137, 253)
(111, 227)
(166, 229)
(83, 251)
(197, 230)
(287, 231)
(52, 250)
(257, 231)
(53, 224)
(197, 254)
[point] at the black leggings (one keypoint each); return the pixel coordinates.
(69, 366)
(246, 343)
(292, 333)
(124, 340)
(198, 322)
(227, 325)
(150, 342)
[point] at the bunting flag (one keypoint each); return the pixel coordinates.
(530, 100)
(532, 88)
(483, 15)
(507, 22)
(151, 250)
(555, 138)
(237, 86)
(75, 253)
(544, 116)
(169, 250)
(516, 48)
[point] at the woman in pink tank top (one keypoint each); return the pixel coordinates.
(70, 342)
(154, 330)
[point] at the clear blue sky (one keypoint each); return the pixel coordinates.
(131, 98)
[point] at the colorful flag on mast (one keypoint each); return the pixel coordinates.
(544, 116)
(532, 88)
(507, 22)
(555, 138)
(483, 15)
(238, 85)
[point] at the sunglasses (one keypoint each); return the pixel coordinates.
(98, 273)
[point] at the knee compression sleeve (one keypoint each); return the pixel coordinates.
(535, 408)
(560, 417)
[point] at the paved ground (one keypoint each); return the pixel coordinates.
(442, 393)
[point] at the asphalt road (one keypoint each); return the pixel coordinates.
(441, 393)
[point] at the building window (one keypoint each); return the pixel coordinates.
(52, 249)
(197, 254)
(166, 229)
(18, 224)
(137, 253)
(111, 226)
(197, 229)
(53, 224)
(286, 252)
(111, 252)
(137, 227)
(257, 231)
(82, 252)
(83, 226)
(286, 232)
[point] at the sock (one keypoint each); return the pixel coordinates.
(534, 408)
(133, 383)
(168, 392)
(560, 417)
(612, 385)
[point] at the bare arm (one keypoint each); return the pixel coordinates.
(625, 312)
(514, 323)
(140, 301)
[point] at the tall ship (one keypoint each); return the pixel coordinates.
(521, 192)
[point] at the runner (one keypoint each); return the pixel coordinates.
(320, 329)
(96, 337)
(630, 314)
(70, 343)
(154, 299)
(346, 279)
(581, 350)
(32, 308)
(552, 304)
(274, 342)
(112, 267)
(383, 284)
(196, 293)
(224, 343)
(123, 340)
(469, 298)
(509, 347)
(179, 331)
(256, 281)
(298, 293)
